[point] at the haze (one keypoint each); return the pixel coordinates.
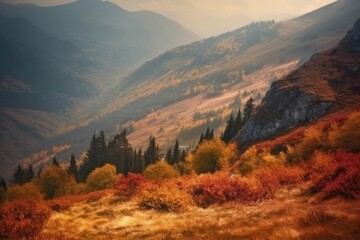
(211, 17)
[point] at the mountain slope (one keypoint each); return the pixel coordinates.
(329, 82)
(215, 65)
(105, 31)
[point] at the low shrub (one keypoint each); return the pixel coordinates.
(160, 171)
(336, 174)
(130, 186)
(22, 219)
(219, 188)
(28, 191)
(166, 197)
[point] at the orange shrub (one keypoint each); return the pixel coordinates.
(22, 220)
(164, 197)
(219, 188)
(340, 174)
(131, 185)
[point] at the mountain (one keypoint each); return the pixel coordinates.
(328, 83)
(56, 61)
(39, 71)
(105, 31)
(231, 62)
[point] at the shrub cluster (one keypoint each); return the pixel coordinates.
(164, 197)
(22, 219)
(336, 174)
(160, 171)
(130, 186)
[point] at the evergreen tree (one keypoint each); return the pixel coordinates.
(73, 169)
(55, 162)
(89, 163)
(3, 184)
(238, 121)
(201, 138)
(248, 108)
(229, 131)
(176, 153)
(168, 156)
(152, 153)
(183, 156)
(139, 162)
(19, 176)
(30, 173)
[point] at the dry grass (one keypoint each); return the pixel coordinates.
(290, 215)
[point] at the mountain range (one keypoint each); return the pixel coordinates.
(191, 85)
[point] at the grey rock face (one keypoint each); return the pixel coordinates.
(282, 111)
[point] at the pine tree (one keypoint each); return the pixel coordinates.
(139, 162)
(238, 121)
(229, 131)
(55, 162)
(168, 156)
(3, 184)
(30, 173)
(19, 176)
(152, 153)
(73, 169)
(89, 163)
(201, 138)
(183, 156)
(248, 108)
(176, 153)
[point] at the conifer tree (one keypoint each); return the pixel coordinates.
(176, 153)
(238, 121)
(73, 169)
(19, 176)
(229, 131)
(3, 184)
(30, 173)
(248, 108)
(168, 156)
(152, 154)
(201, 138)
(55, 162)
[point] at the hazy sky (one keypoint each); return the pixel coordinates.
(212, 17)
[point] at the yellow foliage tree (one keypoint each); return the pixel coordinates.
(212, 156)
(101, 178)
(160, 170)
(55, 181)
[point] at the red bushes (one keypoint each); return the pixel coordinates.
(219, 188)
(129, 186)
(22, 220)
(336, 174)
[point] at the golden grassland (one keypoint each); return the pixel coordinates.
(292, 214)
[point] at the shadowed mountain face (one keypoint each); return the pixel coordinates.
(328, 83)
(56, 60)
(106, 32)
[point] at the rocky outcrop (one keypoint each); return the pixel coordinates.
(283, 110)
(329, 82)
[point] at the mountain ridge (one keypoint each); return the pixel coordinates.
(327, 83)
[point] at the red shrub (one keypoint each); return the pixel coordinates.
(340, 176)
(219, 188)
(131, 185)
(22, 220)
